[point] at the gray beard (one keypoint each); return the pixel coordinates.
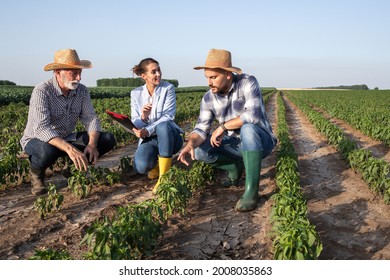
(71, 85)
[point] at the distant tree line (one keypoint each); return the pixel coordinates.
(127, 82)
(7, 83)
(354, 87)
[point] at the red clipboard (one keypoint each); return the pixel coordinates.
(122, 120)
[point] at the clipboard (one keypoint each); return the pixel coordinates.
(122, 120)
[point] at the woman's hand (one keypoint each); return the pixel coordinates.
(146, 109)
(141, 133)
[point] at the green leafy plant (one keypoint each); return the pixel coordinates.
(173, 192)
(294, 237)
(50, 254)
(81, 183)
(125, 163)
(130, 234)
(199, 175)
(52, 201)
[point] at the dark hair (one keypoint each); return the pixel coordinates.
(140, 68)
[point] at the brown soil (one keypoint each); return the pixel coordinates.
(352, 222)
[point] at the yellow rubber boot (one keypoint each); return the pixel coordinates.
(164, 165)
(153, 174)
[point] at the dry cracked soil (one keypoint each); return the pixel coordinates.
(353, 223)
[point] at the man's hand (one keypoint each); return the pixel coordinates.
(194, 142)
(216, 137)
(188, 149)
(91, 153)
(79, 159)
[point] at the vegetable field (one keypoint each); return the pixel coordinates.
(325, 190)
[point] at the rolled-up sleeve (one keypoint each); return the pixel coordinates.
(205, 119)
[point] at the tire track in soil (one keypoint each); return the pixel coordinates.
(212, 229)
(352, 222)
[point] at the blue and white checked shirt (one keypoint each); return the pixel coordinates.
(244, 100)
(51, 114)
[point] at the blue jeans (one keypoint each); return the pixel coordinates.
(252, 138)
(42, 154)
(167, 141)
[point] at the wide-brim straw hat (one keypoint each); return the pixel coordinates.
(67, 59)
(219, 59)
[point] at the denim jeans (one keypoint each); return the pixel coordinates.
(43, 155)
(167, 141)
(252, 138)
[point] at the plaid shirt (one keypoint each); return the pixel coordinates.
(52, 114)
(244, 100)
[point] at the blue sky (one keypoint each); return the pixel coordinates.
(283, 43)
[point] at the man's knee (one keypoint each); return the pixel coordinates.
(106, 142)
(248, 129)
(202, 155)
(47, 156)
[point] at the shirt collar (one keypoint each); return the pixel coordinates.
(234, 84)
(156, 90)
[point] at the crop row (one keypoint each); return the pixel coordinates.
(367, 111)
(133, 231)
(375, 172)
(295, 238)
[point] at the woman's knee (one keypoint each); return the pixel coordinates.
(140, 166)
(163, 128)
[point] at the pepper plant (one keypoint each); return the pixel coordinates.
(131, 234)
(52, 201)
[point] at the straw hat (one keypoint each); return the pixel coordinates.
(221, 59)
(67, 59)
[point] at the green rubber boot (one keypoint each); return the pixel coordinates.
(233, 166)
(252, 162)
